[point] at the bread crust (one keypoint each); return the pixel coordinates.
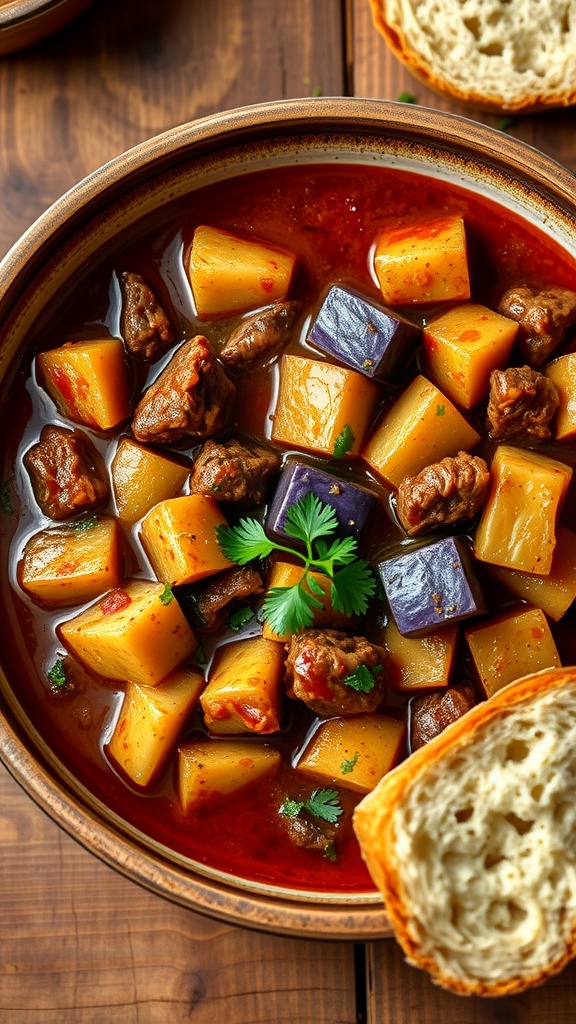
(374, 827)
(473, 95)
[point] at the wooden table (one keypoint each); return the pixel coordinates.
(79, 944)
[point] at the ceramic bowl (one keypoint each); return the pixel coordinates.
(24, 22)
(87, 218)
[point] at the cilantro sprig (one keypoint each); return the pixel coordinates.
(288, 609)
(322, 803)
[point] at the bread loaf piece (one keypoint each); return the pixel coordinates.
(507, 55)
(472, 841)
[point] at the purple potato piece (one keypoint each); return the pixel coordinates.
(431, 586)
(367, 337)
(352, 503)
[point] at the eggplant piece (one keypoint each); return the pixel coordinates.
(432, 585)
(369, 338)
(352, 503)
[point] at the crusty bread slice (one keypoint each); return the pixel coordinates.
(472, 841)
(509, 55)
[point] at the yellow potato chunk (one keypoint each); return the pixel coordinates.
(463, 346)
(150, 721)
(142, 477)
(419, 663)
(137, 633)
(553, 593)
(179, 535)
(518, 524)
(88, 381)
(562, 372)
(421, 427)
(423, 262)
(244, 691)
(209, 769)
(353, 752)
(285, 574)
(74, 563)
(510, 646)
(230, 274)
(322, 407)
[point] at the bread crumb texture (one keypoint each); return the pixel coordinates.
(487, 842)
(515, 54)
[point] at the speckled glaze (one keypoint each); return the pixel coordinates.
(69, 233)
(23, 22)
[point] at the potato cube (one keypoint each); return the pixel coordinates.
(562, 372)
(517, 528)
(208, 769)
(230, 274)
(419, 663)
(137, 634)
(179, 535)
(353, 752)
(421, 427)
(322, 407)
(88, 381)
(423, 262)
(285, 574)
(553, 593)
(510, 646)
(463, 346)
(74, 563)
(244, 691)
(150, 721)
(142, 477)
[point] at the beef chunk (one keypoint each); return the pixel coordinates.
(67, 473)
(222, 589)
(325, 667)
(188, 399)
(145, 327)
(310, 833)
(260, 334)
(445, 492)
(431, 714)
(522, 403)
(230, 471)
(544, 318)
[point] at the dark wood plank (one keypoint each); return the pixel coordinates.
(79, 944)
(377, 73)
(124, 72)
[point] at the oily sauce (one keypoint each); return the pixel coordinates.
(329, 216)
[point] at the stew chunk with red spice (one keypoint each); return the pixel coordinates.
(335, 674)
(66, 471)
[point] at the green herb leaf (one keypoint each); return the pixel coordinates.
(291, 808)
(6, 499)
(288, 609)
(330, 852)
(310, 519)
(407, 97)
(317, 91)
(324, 804)
(343, 443)
(87, 523)
(57, 675)
(348, 766)
(342, 551)
(167, 594)
(240, 617)
(503, 124)
(244, 542)
(361, 679)
(201, 655)
(351, 588)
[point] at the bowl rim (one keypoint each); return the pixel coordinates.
(80, 205)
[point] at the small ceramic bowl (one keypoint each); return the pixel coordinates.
(70, 234)
(24, 22)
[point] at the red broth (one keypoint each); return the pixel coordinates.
(329, 216)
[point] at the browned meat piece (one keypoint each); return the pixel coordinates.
(335, 674)
(445, 492)
(308, 832)
(522, 403)
(430, 715)
(544, 318)
(67, 473)
(230, 471)
(227, 587)
(145, 327)
(260, 333)
(188, 399)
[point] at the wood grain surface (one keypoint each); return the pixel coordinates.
(79, 944)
